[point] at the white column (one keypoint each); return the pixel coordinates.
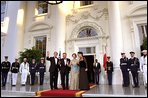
(115, 38)
(59, 29)
(14, 40)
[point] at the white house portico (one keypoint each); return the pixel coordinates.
(94, 27)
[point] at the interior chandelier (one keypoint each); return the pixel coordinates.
(53, 2)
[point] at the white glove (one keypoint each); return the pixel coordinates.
(138, 71)
(86, 69)
(141, 71)
(128, 69)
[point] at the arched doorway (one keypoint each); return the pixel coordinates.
(90, 38)
(89, 51)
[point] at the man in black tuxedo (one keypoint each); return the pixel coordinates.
(54, 68)
(64, 70)
(97, 70)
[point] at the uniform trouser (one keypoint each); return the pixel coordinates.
(135, 78)
(14, 78)
(4, 78)
(24, 77)
(96, 74)
(53, 79)
(41, 78)
(125, 75)
(145, 73)
(109, 75)
(63, 76)
(32, 78)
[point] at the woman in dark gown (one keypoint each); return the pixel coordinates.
(83, 77)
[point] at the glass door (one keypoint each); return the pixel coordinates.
(40, 43)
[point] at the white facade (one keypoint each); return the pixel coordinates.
(114, 21)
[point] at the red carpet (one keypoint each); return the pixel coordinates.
(61, 93)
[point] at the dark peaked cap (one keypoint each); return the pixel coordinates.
(6, 57)
(132, 52)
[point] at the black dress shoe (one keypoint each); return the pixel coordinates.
(3, 85)
(123, 85)
(13, 85)
(23, 84)
(135, 86)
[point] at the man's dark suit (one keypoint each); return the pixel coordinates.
(53, 72)
(97, 70)
(64, 69)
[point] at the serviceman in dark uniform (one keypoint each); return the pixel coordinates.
(15, 69)
(41, 69)
(5, 69)
(32, 70)
(109, 69)
(134, 68)
(124, 68)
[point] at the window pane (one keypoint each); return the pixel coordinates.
(84, 3)
(40, 43)
(87, 50)
(42, 7)
(87, 32)
(3, 6)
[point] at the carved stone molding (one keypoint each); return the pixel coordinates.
(40, 26)
(94, 14)
(80, 26)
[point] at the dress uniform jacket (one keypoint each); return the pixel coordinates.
(5, 67)
(15, 67)
(134, 64)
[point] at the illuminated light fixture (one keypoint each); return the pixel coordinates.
(53, 2)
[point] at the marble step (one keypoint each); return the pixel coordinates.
(6, 93)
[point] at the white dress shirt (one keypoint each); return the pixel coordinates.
(56, 60)
(65, 60)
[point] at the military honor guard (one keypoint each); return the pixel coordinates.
(41, 69)
(5, 69)
(134, 68)
(124, 69)
(109, 69)
(32, 70)
(24, 70)
(14, 70)
(143, 66)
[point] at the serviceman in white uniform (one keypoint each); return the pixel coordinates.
(24, 70)
(143, 66)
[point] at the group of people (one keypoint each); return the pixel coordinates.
(24, 69)
(133, 65)
(76, 69)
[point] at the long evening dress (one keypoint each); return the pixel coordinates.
(83, 78)
(74, 75)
